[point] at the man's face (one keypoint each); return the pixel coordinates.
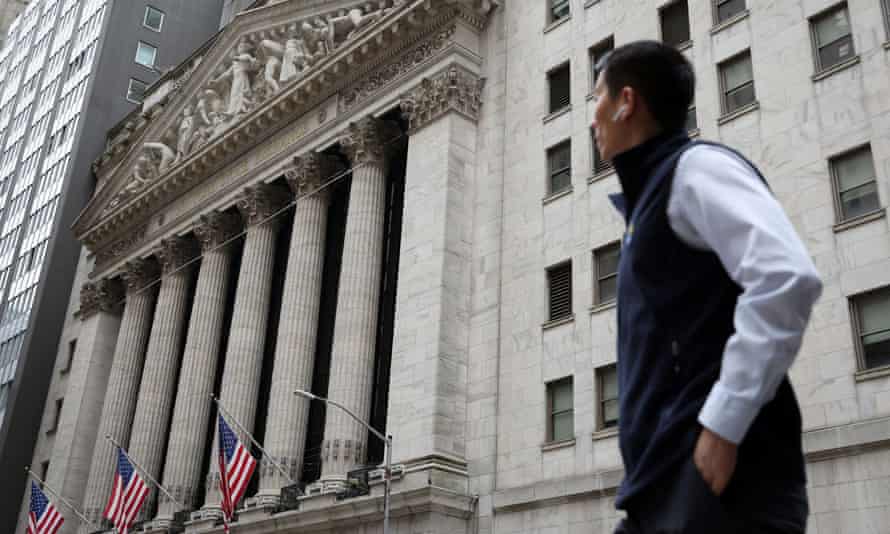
(609, 132)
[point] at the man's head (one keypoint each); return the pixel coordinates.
(642, 88)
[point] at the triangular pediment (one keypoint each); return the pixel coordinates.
(266, 66)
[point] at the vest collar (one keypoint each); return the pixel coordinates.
(635, 166)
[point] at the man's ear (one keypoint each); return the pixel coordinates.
(628, 98)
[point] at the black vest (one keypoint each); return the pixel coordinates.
(675, 314)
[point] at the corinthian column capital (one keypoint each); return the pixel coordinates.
(454, 89)
(174, 252)
(366, 140)
(100, 295)
(309, 172)
(216, 228)
(259, 202)
(139, 273)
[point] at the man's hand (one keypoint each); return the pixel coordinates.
(715, 459)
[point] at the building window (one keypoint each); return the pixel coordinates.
(558, 10)
(832, 37)
(560, 91)
(154, 18)
(600, 165)
(597, 53)
(44, 470)
(559, 162)
(855, 184)
(885, 4)
(871, 317)
(605, 265)
(607, 386)
(559, 283)
(691, 119)
(136, 91)
(726, 9)
(560, 409)
(57, 415)
(146, 55)
(72, 346)
(737, 82)
(675, 23)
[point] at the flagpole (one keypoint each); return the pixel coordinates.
(250, 437)
(63, 499)
(144, 472)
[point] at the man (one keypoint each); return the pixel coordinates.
(715, 290)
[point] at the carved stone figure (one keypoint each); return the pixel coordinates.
(294, 56)
(144, 173)
(187, 128)
(211, 112)
(167, 155)
(238, 74)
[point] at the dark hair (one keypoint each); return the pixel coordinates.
(659, 73)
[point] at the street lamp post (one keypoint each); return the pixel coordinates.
(387, 441)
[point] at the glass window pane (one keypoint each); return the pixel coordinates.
(877, 353)
(675, 23)
(739, 98)
(607, 290)
(737, 72)
(854, 169)
(145, 54)
(560, 92)
(860, 200)
(154, 18)
(560, 157)
(561, 399)
(560, 181)
(726, 9)
(832, 27)
(610, 413)
(691, 120)
(563, 426)
(135, 91)
(607, 261)
(874, 311)
(559, 9)
(836, 52)
(609, 382)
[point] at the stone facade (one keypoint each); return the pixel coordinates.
(352, 198)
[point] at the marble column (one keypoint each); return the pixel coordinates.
(123, 384)
(191, 413)
(162, 359)
(355, 325)
(90, 366)
(287, 416)
(240, 387)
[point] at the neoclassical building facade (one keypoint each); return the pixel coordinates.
(396, 204)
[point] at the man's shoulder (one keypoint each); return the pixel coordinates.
(710, 156)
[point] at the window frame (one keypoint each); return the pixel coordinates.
(814, 36)
(724, 92)
(551, 19)
(130, 88)
(148, 9)
(549, 271)
(598, 278)
(600, 49)
(154, 58)
(835, 183)
(551, 173)
(661, 12)
(550, 74)
(857, 328)
(551, 413)
(601, 400)
(57, 416)
(72, 347)
(715, 8)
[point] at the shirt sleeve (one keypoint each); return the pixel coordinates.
(718, 203)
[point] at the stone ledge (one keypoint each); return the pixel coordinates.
(596, 308)
(857, 221)
(548, 493)
(556, 445)
(731, 21)
(558, 322)
(557, 23)
(834, 69)
(744, 110)
(559, 194)
(872, 374)
(553, 115)
(600, 174)
(846, 440)
(605, 433)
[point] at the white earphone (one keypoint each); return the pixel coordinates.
(619, 112)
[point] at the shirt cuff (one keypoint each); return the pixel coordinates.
(727, 414)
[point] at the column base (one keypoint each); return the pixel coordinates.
(162, 526)
(203, 520)
(255, 509)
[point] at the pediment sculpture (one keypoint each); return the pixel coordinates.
(260, 64)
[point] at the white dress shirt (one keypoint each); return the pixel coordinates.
(718, 203)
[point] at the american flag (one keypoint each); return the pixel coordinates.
(236, 466)
(127, 495)
(43, 518)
